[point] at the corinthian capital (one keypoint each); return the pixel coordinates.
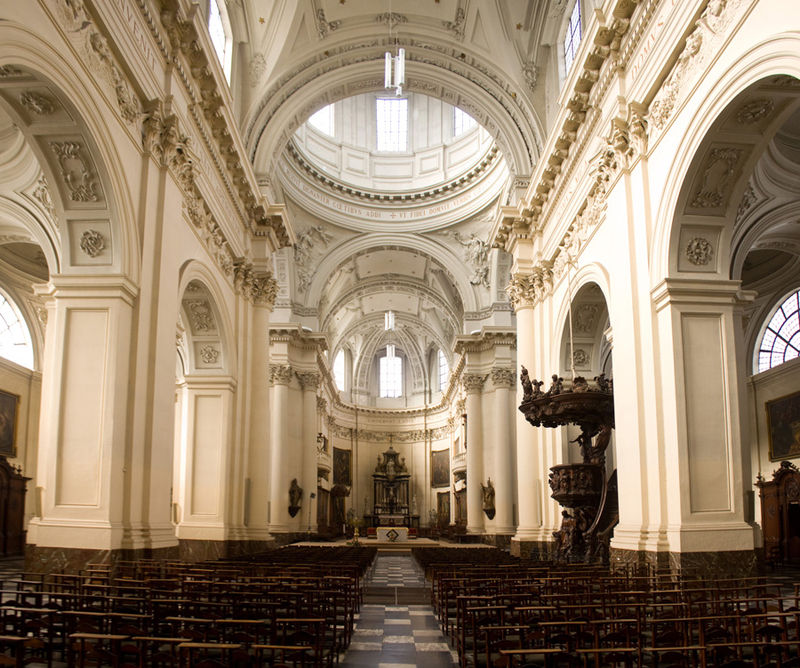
(503, 377)
(280, 374)
(472, 382)
(308, 379)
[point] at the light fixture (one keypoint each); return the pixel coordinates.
(388, 321)
(394, 74)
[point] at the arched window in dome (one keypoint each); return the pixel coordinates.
(572, 36)
(15, 338)
(323, 120)
(462, 122)
(391, 120)
(444, 371)
(219, 28)
(390, 374)
(339, 370)
(780, 340)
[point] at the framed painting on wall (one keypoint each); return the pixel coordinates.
(341, 467)
(440, 468)
(8, 423)
(783, 427)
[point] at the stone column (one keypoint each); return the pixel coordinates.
(526, 291)
(473, 383)
(262, 291)
(280, 375)
(503, 381)
(527, 492)
(309, 380)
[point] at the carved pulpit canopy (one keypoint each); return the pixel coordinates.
(391, 465)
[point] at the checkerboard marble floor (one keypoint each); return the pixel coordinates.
(396, 571)
(397, 636)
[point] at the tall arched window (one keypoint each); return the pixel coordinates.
(444, 371)
(780, 341)
(572, 36)
(390, 374)
(219, 28)
(339, 370)
(15, 339)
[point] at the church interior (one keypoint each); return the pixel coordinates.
(276, 273)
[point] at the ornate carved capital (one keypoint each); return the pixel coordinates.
(528, 289)
(259, 287)
(472, 382)
(280, 374)
(309, 380)
(503, 377)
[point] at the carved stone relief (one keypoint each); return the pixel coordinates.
(200, 315)
(580, 358)
(256, 69)
(41, 193)
(209, 354)
(585, 318)
(76, 171)
(715, 178)
(92, 243)
(699, 251)
(280, 374)
(477, 254)
(310, 244)
(754, 111)
(503, 377)
(36, 103)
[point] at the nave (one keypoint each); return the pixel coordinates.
(314, 607)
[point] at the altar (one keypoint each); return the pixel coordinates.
(390, 488)
(392, 534)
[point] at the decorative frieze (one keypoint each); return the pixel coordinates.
(280, 374)
(413, 436)
(709, 30)
(79, 21)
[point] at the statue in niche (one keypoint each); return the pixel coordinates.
(295, 494)
(488, 498)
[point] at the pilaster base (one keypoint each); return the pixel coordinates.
(735, 563)
(498, 540)
(531, 549)
(71, 560)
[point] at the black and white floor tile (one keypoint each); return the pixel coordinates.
(397, 636)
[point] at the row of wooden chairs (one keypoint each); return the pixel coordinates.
(233, 613)
(538, 613)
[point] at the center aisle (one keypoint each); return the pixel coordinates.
(397, 636)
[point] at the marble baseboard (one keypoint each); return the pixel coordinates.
(500, 541)
(72, 560)
(288, 538)
(531, 549)
(208, 550)
(738, 563)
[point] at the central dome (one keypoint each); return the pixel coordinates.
(378, 143)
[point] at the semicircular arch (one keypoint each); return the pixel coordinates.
(474, 87)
